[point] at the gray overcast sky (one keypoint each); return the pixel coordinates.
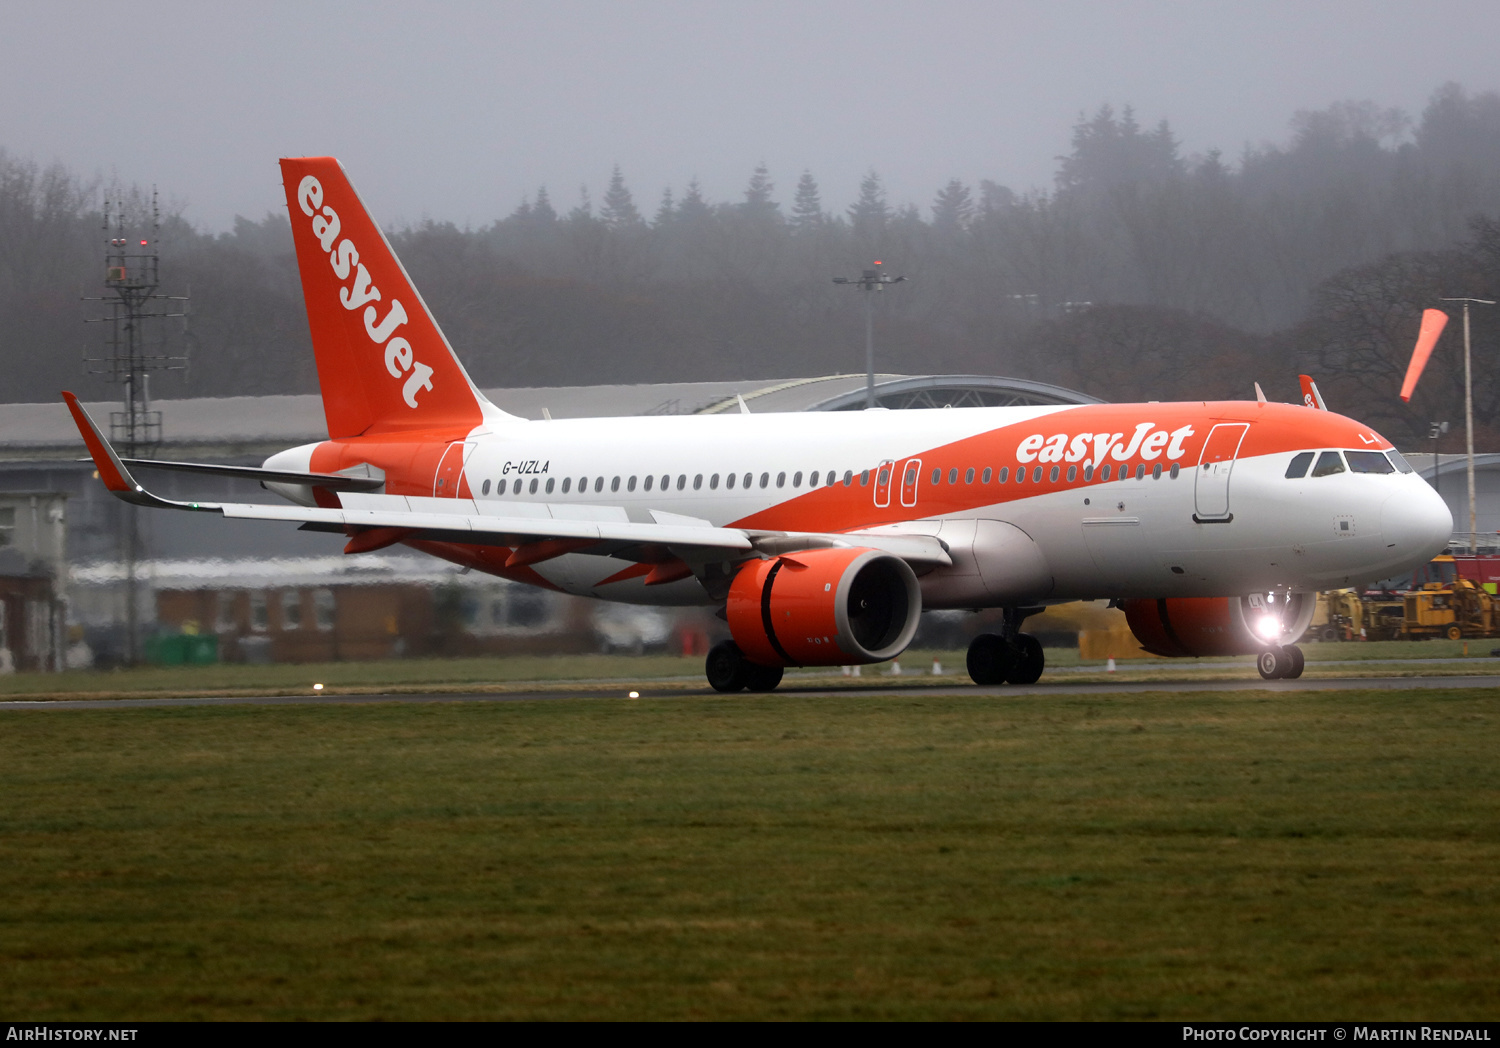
(453, 111)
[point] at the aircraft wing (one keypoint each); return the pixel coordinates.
(537, 530)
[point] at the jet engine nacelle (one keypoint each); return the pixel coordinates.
(1196, 626)
(824, 607)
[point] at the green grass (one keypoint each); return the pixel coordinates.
(1244, 855)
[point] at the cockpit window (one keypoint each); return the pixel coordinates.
(1298, 469)
(1369, 462)
(1400, 463)
(1329, 463)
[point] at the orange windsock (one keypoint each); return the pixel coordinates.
(1433, 322)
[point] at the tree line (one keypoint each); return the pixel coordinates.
(1142, 273)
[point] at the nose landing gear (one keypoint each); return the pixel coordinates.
(1280, 663)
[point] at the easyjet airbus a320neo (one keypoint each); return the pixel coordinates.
(822, 537)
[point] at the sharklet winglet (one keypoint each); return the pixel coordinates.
(112, 471)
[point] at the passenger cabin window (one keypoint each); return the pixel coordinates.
(698, 482)
(1105, 472)
(1368, 462)
(484, 489)
(1329, 463)
(1004, 475)
(1298, 468)
(729, 481)
(630, 484)
(681, 481)
(984, 478)
(567, 483)
(781, 480)
(551, 481)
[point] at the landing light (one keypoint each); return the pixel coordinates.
(1268, 627)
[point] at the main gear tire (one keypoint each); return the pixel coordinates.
(989, 659)
(762, 678)
(726, 668)
(1030, 661)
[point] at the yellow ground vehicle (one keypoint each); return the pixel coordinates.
(1449, 597)
(1348, 614)
(1455, 610)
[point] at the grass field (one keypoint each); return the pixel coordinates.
(909, 855)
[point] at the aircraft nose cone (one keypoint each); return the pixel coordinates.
(1416, 523)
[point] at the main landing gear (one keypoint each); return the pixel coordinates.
(1011, 658)
(1280, 663)
(995, 660)
(728, 670)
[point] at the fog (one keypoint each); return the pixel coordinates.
(455, 111)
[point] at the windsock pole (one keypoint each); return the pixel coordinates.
(1469, 414)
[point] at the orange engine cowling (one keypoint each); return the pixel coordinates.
(824, 607)
(1194, 626)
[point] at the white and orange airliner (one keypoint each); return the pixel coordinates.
(822, 537)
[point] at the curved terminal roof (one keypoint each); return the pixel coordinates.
(251, 428)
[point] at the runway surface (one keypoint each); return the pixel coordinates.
(597, 690)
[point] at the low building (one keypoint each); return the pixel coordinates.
(33, 573)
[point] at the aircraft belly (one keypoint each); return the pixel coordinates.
(581, 574)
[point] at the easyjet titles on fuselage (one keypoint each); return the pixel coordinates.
(1147, 441)
(399, 356)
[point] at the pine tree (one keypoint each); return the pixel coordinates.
(758, 202)
(953, 207)
(693, 207)
(870, 212)
(666, 211)
(619, 210)
(807, 205)
(542, 209)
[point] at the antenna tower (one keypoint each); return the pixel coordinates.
(133, 279)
